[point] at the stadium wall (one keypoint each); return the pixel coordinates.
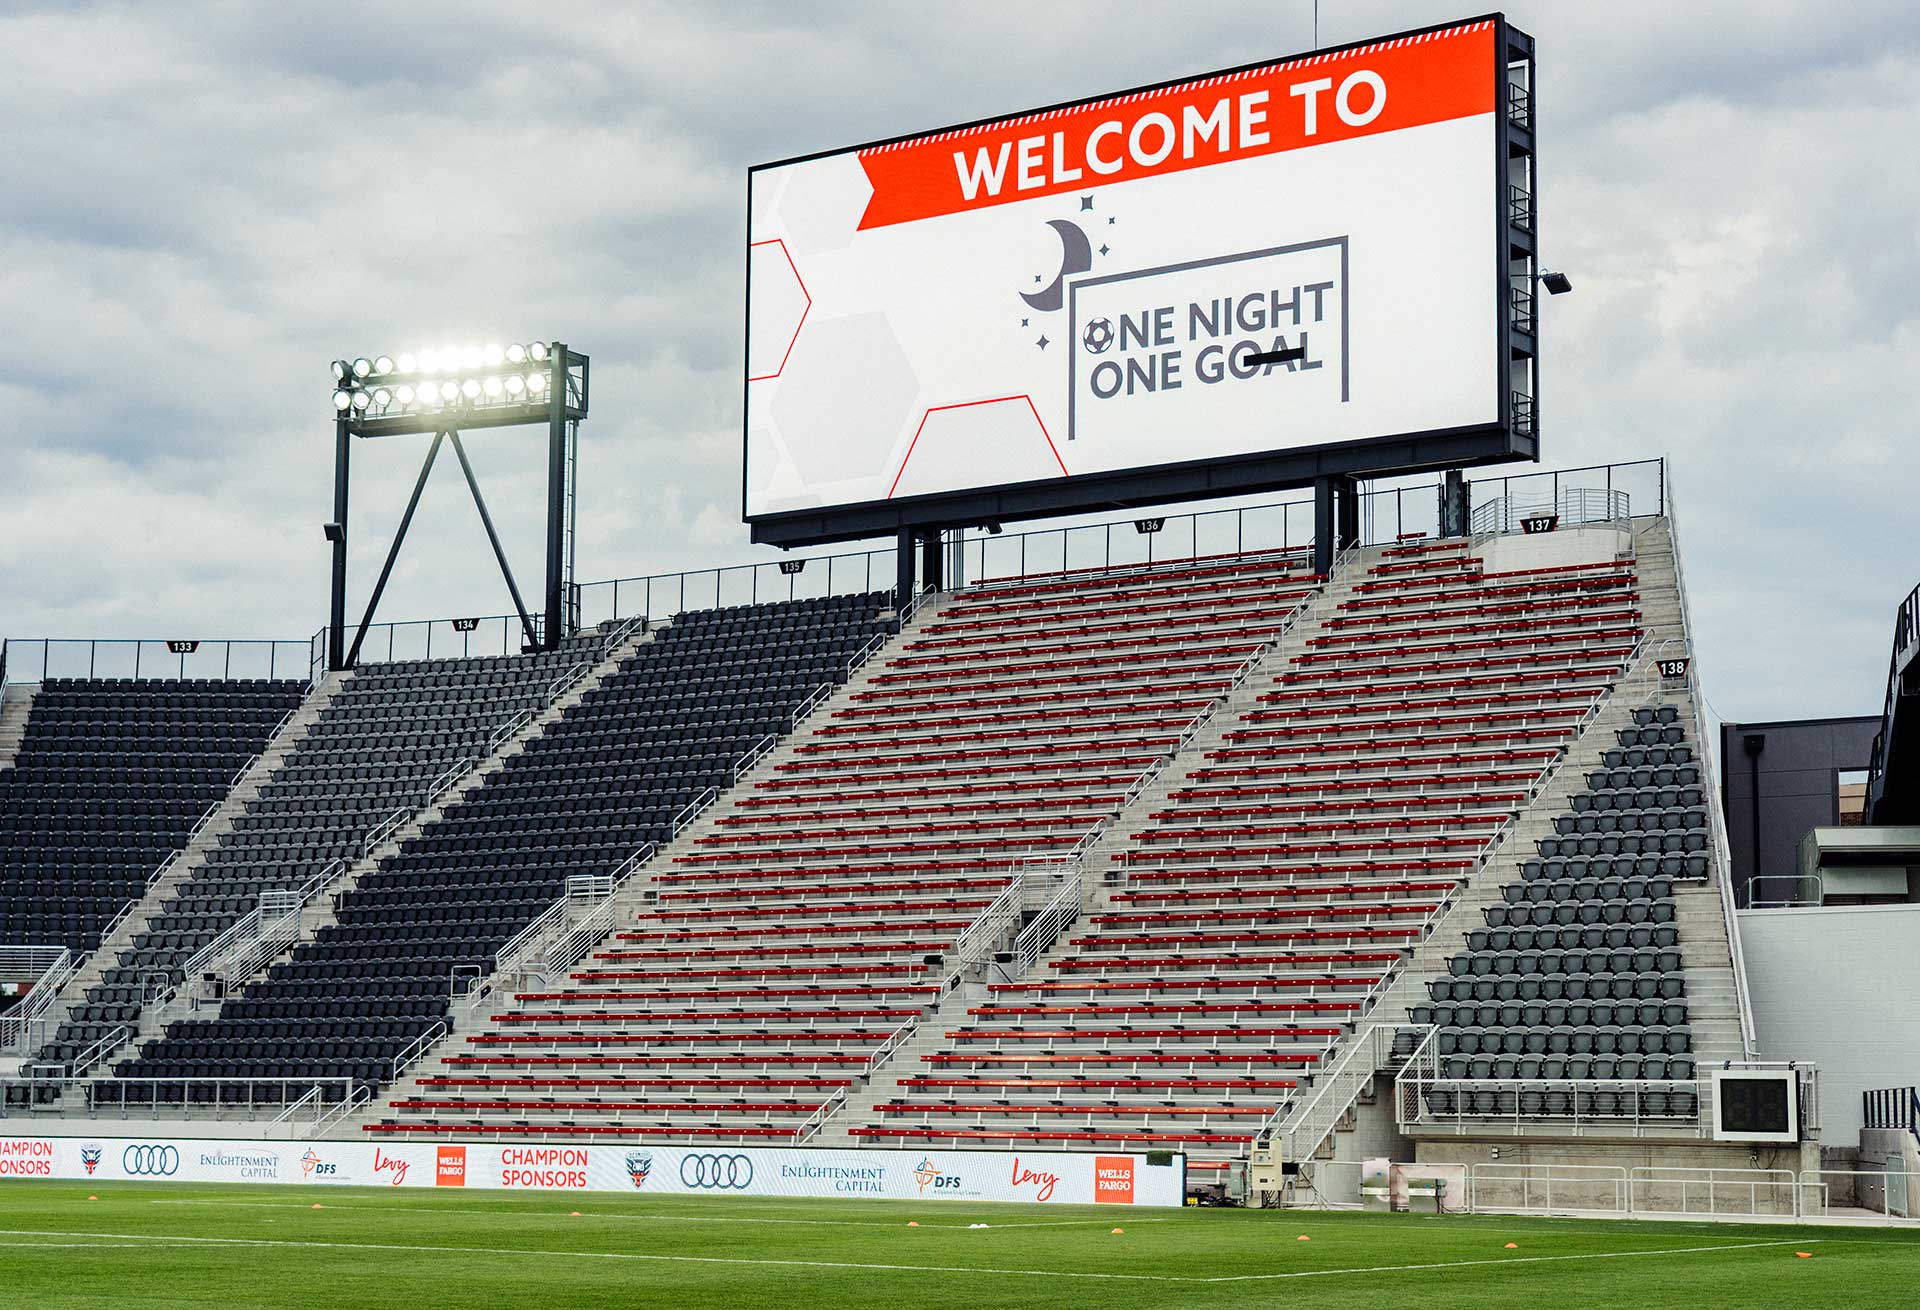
(1855, 1023)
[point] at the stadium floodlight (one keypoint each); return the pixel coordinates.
(1557, 284)
(441, 393)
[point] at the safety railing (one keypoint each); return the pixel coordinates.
(1657, 1189)
(1576, 1106)
(24, 1028)
(1891, 1107)
(1531, 1188)
(1893, 1193)
(1044, 929)
(189, 1098)
(1906, 641)
(1806, 889)
(1407, 507)
(226, 659)
(1568, 507)
(1299, 1128)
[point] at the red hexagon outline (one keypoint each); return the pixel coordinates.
(969, 404)
(802, 282)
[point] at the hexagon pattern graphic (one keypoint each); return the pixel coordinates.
(952, 441)
(779, 308)
(822, 205)
(843, 407)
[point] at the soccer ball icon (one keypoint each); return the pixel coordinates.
(1097, 336)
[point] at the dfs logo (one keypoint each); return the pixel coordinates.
(312, 1166)
(928, 1174)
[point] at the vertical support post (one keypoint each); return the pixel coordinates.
(552, 628)
(903, 564)
(1323, 528)
(1347, 512)
(931, 565)
(1456, 509)
(337, 607)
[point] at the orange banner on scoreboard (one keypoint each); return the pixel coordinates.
(1407, 82)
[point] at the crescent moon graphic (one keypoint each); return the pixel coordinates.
(1076, 257)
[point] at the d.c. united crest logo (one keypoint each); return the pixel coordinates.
(90, 1157)
(639, 1166)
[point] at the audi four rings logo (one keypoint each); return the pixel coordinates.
(142, 1161)
(725, 1171)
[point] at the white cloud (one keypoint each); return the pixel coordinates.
(202, 203)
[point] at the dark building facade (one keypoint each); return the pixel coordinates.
(1779, 779)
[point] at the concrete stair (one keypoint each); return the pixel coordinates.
(16, 702)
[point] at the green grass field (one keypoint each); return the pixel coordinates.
(157, 1245)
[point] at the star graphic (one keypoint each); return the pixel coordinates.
(1086, 203)
(1042, 342)
(1036, 277)
(1023, 322)
(1103, 250)
(1110, 219)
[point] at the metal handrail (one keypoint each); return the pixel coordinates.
(312, 1094)
(506, 731)
(621, 633)
(692, 810)
(99, 1049)
(1716, 821)
(385, 829)
(416, 1048)
(445, 779)
(755, 753)
(357, 1097)
(558, 687)
(809, 705)
(815, 1121)
(1038, 937)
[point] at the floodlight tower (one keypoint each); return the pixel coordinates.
(440, 392)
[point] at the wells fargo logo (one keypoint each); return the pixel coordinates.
(450, 1166)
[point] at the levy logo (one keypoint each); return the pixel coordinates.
(1043, 1182)
(388, 1164)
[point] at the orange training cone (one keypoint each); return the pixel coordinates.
(318, 1206)
(1303, 1238)
(1804, 1255)
(573, 1214)
(1513, 1246)
(913, 1223)
(1119, 1230)
(93, 1198)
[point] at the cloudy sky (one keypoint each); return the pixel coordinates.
(201, 204)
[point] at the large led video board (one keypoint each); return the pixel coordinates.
(1061, 309)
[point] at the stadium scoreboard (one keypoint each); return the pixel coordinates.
(1067, 308)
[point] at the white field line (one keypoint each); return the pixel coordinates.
(521, 1213)
(182, 1240)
